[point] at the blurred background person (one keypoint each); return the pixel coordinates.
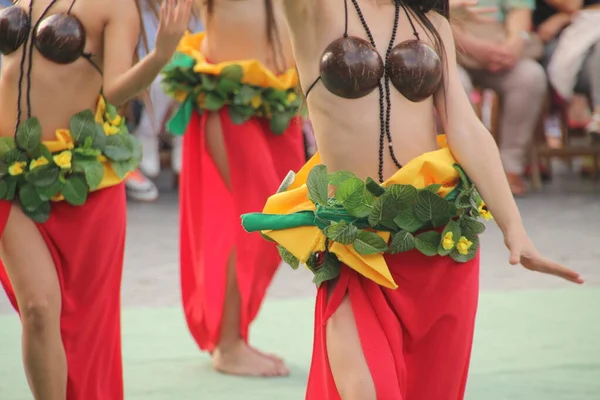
(499, 55)
(570, 30)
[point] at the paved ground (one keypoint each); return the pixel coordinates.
(537, 336)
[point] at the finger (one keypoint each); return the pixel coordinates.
(483, 10)
(163, 14)
(550, 267)
(170, 10)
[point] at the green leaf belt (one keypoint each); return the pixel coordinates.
(414, 217)
(34, 175)
(213, 92)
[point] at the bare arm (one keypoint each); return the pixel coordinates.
(123, 80)
(474, 148)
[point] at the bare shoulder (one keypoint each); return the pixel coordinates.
(125, 11)
(441, 24)
(296, 11)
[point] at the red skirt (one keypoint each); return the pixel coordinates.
(210, 218)
(416, 339)
(87, 245)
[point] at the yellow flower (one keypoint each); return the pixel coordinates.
(17, 168)
(38, 163)
(484, 212)
(63, 159)
(102, 159)
(256, 101)
(463, 245)
(201, 100)
(116, 121)
(109, 129)
(448, 241)
(291, 97)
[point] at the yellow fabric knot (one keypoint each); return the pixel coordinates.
(256, 101)
(63, 159)
(484, 212)
(448, 241)
(463, 245)
(109, 129)
(38, 163)
(17, 168)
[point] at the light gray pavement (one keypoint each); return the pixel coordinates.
(563, 220)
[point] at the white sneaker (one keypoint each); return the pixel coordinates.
(150, 164)
(593, 128)
(176, 154)
(140, 188)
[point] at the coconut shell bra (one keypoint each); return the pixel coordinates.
(60, 38)
(351, 67)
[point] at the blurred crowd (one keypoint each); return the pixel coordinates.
(540, 59)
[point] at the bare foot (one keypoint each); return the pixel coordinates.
(241, 359)
(273, 357)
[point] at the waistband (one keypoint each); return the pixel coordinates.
(429, 205)
(96, 152)
(247, 87)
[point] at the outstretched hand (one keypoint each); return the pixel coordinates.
(522, 251)
(175, 18)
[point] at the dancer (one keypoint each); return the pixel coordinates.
(62, 207)
(242, 135)
(396, 257)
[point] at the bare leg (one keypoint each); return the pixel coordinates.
(346, 359)
(233, 355)
(33, 276)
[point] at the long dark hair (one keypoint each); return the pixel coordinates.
(273, 38)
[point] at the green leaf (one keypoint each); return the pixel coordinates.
(341, 232)
(15, 155)
(116, 148)
(29, 134)
(466, 182)
(121, 168)
(405, 194)
(288, 257)
(374, 187)
(313, 262)
(329, 270)
(238, 115)
(75, 191)
(433, 188)
(279, 122)
(407, 220)
(456, 256)
(338, 177)
(209, 83)
(369, 243)
(41, 214)
(6, 145)
(402, 241)
(11, 183)
(41, 151)
(29, 198)
(350, 194)
(317, 185)
(213, 102)
(471, 226)
(226, 87)
(385, 208)
(233, 72)
(464, 199)
(44, 175)
(94, 173)
(454, 228)
(428, 242)
(134, 146)
(287, 182)
(3, 189)
(47, 192)
(246, 94)
(82, 125)
(430, 206)
(99, 138)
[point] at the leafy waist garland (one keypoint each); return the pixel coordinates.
(360, 211)
(201, 91)
(78, 162)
